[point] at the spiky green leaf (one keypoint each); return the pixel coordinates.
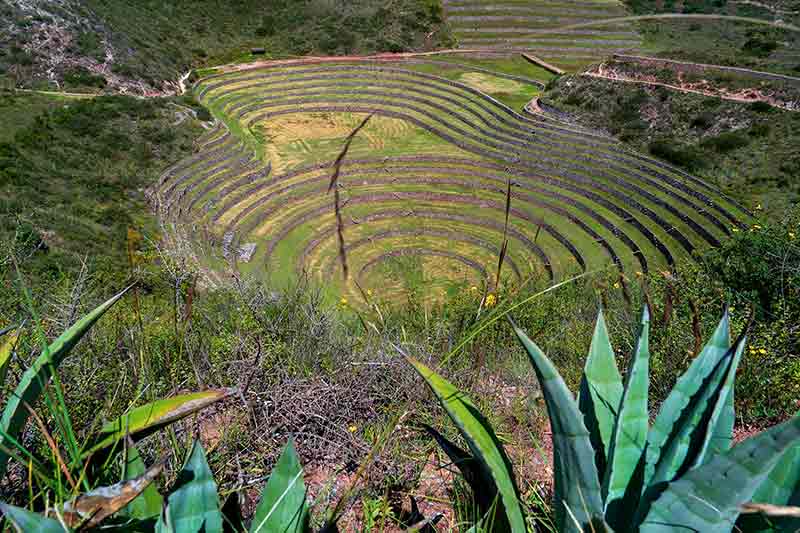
(283, 507)
(153, 416)
(475, 474)
(781, 487)
(232, 520)
(622, 481)
(600, 392)
(707, 498)
(682, 410)
(25, 521)
(577, 484)
(193, 504)
(7, 344)
(482, 442)
(719, 436)
(38, 375)
(148, 504)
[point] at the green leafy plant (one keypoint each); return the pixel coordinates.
(73, 498)
(69, 476)
(192, 505)
(615, 472)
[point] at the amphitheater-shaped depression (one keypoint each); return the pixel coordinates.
(423, 188)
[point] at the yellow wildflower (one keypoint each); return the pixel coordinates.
(759, 208)
(639, 273)
(369, 292)
(491, 299)
(352, 429)
(792, 235)
(756, 226)
(616, 285)
(343, 301)
(736, 230)
(762, 351)
(474, 288)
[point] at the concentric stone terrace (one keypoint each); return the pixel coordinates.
(533, 26)
(423, 188)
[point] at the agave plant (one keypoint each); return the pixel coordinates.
(613, 471)
(192, 505)
(68, 473)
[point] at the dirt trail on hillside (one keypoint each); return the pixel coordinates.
(386, 56)
(742, 96)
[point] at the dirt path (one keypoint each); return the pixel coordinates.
(715, 94)
(58, 93)
(387, 56)
(661, 16)
(625, 58)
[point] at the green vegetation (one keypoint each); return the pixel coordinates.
(197, 350)
(73, 172)
(458, 189)
(747, 150)
(612, 471)
(153, 41)
(426, 179)
(134, 503)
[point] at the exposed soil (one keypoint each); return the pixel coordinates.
(706, 87)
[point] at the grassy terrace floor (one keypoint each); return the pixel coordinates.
(423, 187)
(515, 25)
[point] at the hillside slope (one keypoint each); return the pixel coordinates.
(142, 47)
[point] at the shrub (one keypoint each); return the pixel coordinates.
(726, 142)
(760, 129)
(760, 107)
(80, 77)
(703, 120)
(760, 262)
(676, 153)
(760, 46)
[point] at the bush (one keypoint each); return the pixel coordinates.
(761, 262)
(676, 153)
(760, 107)
(760, 129)
(760, 46)
(703, 120)
(726, 142)
(80, 77)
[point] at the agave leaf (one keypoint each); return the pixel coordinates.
(232, 520)
(193, 504)
(91, 508)
(707, 498)
(151, 417)
(7, 344)
(147, 504)
(164, 523)
(781, 487)
(25, 521)
(283, 505)
(600, 392)
(36, 377)
(719, 436)
(482, 442)
(577, 486)
(679, 414)
(621, 484)
(479, 479)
